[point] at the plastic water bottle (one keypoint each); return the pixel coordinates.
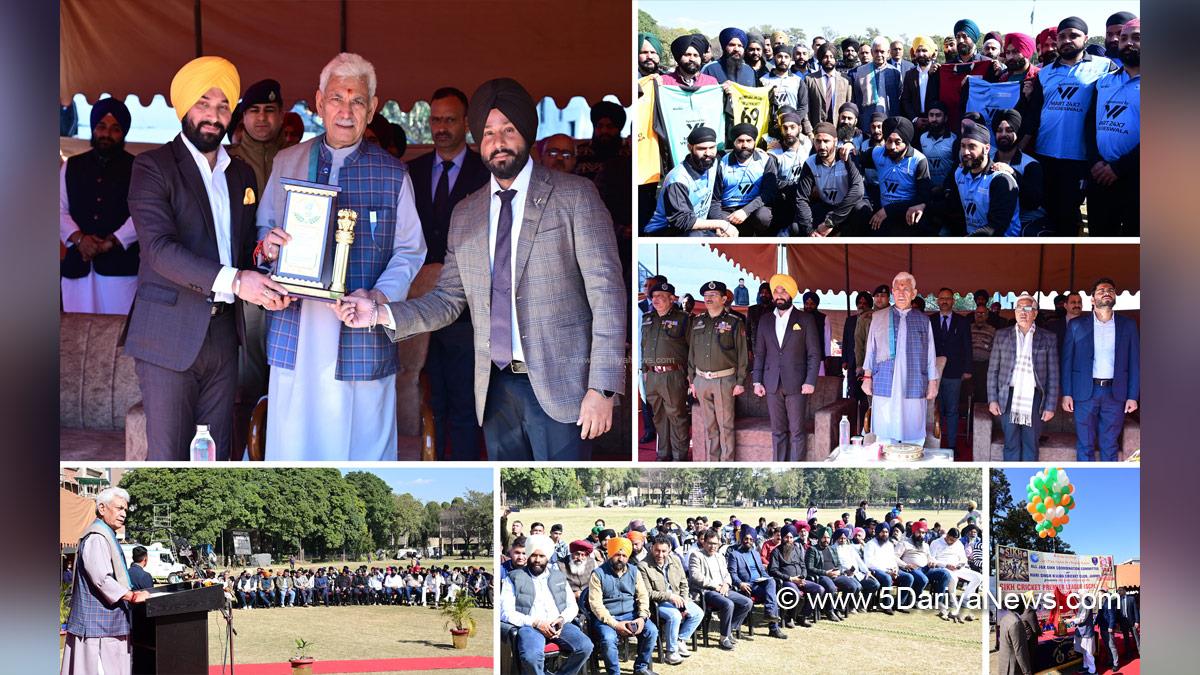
(203, 447)
(844, 432)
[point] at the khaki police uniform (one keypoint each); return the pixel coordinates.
(717, 361)
(664, 351)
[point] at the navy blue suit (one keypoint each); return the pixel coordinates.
(140, 579)
(745, 568)
(955, 345)
(1100, 408)
(450, 362)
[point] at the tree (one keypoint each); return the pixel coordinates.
(848, 484)
(526, 486)
(1012, 525)
(409, 521)
(948, 486)
(381, 509)
(646, 23)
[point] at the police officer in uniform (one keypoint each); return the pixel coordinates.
(717, 365)
(664, 357)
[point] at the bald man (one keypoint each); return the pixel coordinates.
(558, 153)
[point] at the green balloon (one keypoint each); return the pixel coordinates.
(1039, 484)
(1052, 475)
(1041, 507)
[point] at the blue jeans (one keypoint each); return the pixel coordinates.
(1098, 420)
(608, 643)
(264, 597)
(885, 580)
(939, 579)
(572, 644)
(732, 609)
(322, 594)
(675, 626)
(948, 390)
(920, 580)
(764, 592)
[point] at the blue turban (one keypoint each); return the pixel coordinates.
(730, 33)
(114, 107)
(969, 27)
(789, 529)
(747, 529)
(654, 42)
(839, 532)
(810, 294)
(882, 527)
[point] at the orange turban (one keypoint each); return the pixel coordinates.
(788, 283)
(617, 545)
(636, 537)
(198, 76)
(922, 40)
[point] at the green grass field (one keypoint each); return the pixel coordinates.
(344, 633)
(577, 523)
(455, 561)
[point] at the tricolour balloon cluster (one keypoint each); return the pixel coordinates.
(1050, 498)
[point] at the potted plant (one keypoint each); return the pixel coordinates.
(459, 619)
(64, 613)
(302, 662)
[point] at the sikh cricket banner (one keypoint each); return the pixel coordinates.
(649, 165)
(681, 111)
(1020, 570)
(751, 105)
(986, 97)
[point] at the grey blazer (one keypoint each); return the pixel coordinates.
(570, 297)
(1045, 366)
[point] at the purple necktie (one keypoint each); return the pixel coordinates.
(501, 334)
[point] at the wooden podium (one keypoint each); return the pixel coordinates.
(170, 630)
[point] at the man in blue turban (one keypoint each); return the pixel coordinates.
(99, 270)
(649, 54)
(966, 35)
(732, 65)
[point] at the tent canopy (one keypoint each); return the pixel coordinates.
(75, 513)
(1000, 267)
(556, 49)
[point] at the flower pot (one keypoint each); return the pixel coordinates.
(459, 637)
(302, 666)
(62, 639)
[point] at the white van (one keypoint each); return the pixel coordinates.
(160, 562)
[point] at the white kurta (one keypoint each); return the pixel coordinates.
(894, 418)
(312, 415)
(95, 293)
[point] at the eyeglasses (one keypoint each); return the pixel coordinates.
(1026, 309)
(564, 154)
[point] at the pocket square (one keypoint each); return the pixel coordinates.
(248, 198)
(795, 326)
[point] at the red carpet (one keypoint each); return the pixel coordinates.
(1074, 663)
(364, 666)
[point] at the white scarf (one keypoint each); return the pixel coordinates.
(1023, 381)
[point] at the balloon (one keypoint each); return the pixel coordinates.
(1066, 519)
(1039, 483)
(1052, 475)
(1041, 508)
(1041, 534)
(1059, 511)
(1038, 517)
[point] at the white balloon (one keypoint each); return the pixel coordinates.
(1059, 511)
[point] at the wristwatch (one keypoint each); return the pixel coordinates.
(604, 392)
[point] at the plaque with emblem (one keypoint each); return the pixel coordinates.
(313, 264)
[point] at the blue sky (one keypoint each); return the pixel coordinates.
(1106, 520)
(892, 18)
(430, 484)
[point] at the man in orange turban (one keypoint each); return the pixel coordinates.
(620, 602)
(787, 360)
(194, 209)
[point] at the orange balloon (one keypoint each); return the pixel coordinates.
(1035, 500)
(1042, 534)
(1032, 508)
(1071, 487)
(1066, 519)
(1038, 517)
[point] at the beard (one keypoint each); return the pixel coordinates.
(606, 146)
(205, 139)
(536, 569)
(577, 567)
(648, 67)
(1131, 57)
(1017, 65)
(704, 163)
(787, 141)
(743, 155)
(1049, 57)
(923, 61)
(782, 304)
(619, 566)
(107, 147)
(973, 164)
(937, 129)
(964, 50)
(505, 163)
(732, 64)
(689, 67)
(1006, 144)
(1069, 51)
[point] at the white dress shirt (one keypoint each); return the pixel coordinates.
(922, 84)
(881, 556)
(543, 607)
(217, 189)
(781, 322)
(1104, 345)
(948, 554)
(521, 185)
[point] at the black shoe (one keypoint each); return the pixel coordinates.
(831, 615)
(887, 610)
(645, 438)
(804, 622)
(788, 623)
(773, 619)
(727, 644)
(776, 633)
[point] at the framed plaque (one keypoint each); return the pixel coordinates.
(313, 264)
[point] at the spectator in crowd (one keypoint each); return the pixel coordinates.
(708, 575)
(668, 587)
(536, 599)
(619, 601)
(750, 578)
(140, 579)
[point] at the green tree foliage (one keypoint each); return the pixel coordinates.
(409, 523)
(380, 508)
(1012, 525)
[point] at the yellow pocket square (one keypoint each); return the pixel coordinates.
(249, 197)
(795, 326)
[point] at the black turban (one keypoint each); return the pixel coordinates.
(1007, 115)
(509, 97)
(1120, 19)
(936, 105)
(825, 128)
(899, 125)
(848, 105)
(1073, 22)
(681, 44)
(849, 42)
(793, 117)
(702, 134)
(114, 107)
(975, 132)
(612, 111)
(743, 128)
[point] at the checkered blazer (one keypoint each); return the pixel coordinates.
(1004, 358)
(570, 298)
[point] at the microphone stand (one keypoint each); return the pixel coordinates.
(230, 631)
